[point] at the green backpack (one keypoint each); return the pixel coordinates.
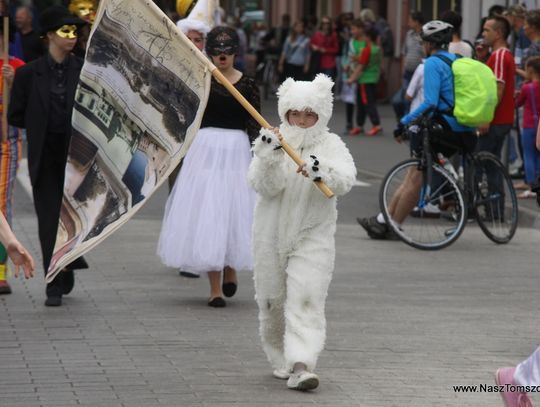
(475, 91)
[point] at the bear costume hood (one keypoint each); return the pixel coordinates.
(313, 95)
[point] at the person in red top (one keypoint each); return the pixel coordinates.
(529, 97)
(10, 147)
(325, 42)
(495, 31)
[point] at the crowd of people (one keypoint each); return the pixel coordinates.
(245, 205)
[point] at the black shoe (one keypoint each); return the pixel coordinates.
(54, 291)
(229, 289)
(188, 274)
(4, 287)
(53, 301)
(217, 302)
(374, 229)
(68, 281)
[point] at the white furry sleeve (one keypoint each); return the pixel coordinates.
(266, 178)
(266, 174)
(336, 166)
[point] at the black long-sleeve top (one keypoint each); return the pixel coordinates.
(225, 112)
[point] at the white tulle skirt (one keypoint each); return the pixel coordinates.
(209, 213)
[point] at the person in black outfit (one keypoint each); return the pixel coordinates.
(41, 102)
(32, 46)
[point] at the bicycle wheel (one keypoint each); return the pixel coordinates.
(440, 213)
(495, 201)
(268, 78)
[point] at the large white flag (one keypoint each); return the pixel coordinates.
(139, 103)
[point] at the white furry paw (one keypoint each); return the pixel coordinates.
(267, 145)
(314, 170)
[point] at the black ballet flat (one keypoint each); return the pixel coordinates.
(217, 302)
(229, 289)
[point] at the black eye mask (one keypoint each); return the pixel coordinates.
(222, 40)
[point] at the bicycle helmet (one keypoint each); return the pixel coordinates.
(437, 32)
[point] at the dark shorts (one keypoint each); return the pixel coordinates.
(444, 141)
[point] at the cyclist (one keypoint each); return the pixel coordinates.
(448, 136)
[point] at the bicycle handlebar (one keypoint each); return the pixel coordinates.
(424, 116)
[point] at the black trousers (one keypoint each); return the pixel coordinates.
(367, 104)
(48, 190)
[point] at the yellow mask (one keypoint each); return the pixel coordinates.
(67, 31)
(83, 9)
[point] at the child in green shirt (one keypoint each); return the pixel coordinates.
(367, 72)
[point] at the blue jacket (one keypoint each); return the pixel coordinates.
(438, 91)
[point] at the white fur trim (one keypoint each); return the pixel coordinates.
(188, 24)
(267, 151)
(301, 95)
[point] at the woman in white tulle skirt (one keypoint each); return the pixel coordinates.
(209, 213)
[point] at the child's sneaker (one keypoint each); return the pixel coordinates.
(303, 381)
(356, 131)
(282, 374)
(374, 131)
(505, 376)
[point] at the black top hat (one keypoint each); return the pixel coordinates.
(54, 17)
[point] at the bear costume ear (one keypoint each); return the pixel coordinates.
(285, 86)
(323, 83)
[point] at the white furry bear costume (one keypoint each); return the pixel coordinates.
(294, 225)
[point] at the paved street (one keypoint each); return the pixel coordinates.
(404, 326)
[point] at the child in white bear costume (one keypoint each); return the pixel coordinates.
(294, 227)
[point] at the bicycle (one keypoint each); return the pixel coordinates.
(268, 74)
(484, 191)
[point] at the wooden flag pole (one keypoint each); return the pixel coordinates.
(261, 120)
(5, 57)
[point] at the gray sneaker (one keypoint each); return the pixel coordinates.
(303, 381)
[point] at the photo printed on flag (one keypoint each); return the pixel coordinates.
(139, 103)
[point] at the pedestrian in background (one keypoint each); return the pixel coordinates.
(356, 44)
(295, 57)
(343, 31)
(529, 97)
(413, 52)
(32, 45)
(324, 48)
(366, 73)
(501, 62)
(458, 45)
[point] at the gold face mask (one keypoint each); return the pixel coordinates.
(67, 31)
(83, 9)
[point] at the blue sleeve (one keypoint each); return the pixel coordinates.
(286, 47)
(432, 87)
(15, 47)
